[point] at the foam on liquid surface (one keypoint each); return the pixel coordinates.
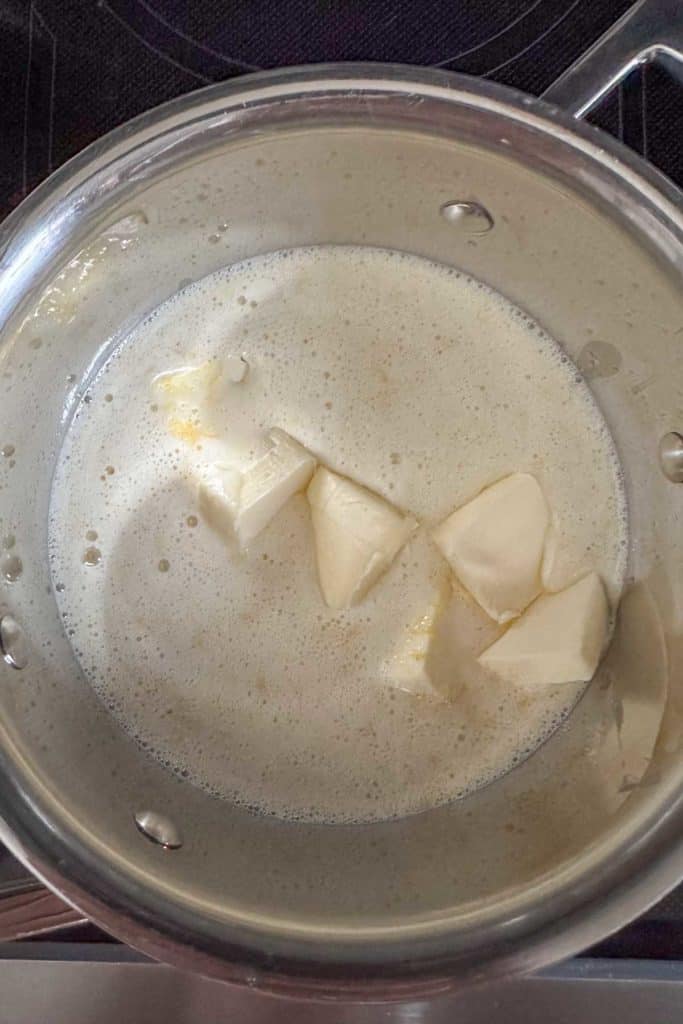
(410, 378)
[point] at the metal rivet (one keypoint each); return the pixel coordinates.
(671, 456)
(471, 218)
(159, 829)
(12, 643)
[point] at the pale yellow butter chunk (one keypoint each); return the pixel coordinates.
(244, 503)
(185, 394)
(414, 666)
(219, 490)
(188, 384)
(558, 640)
(357, 536)
(495, 543)
(270, 482)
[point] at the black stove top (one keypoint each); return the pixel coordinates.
(73, 69)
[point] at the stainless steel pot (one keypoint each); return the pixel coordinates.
(586, 237)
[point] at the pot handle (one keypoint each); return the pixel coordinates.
(652, 30)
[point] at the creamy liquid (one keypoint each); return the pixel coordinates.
(412, 379)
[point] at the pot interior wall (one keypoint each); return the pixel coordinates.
(601, 289)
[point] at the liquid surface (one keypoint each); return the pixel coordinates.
(410, 378)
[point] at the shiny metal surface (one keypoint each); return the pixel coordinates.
(12, 642)
(671, 456)
(79, 985)
(584, 835)
(652, 30)
(471, 218)
(159, 829)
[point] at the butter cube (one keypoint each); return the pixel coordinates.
(271, 482)
(243, 503)
(413, 666)
(219, 490)
(357, 536)
(495, 543)
(558, 640)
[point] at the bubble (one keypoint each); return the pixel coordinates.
(12, 568)
(91, 556)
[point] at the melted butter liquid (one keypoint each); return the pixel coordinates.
(408, 377)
